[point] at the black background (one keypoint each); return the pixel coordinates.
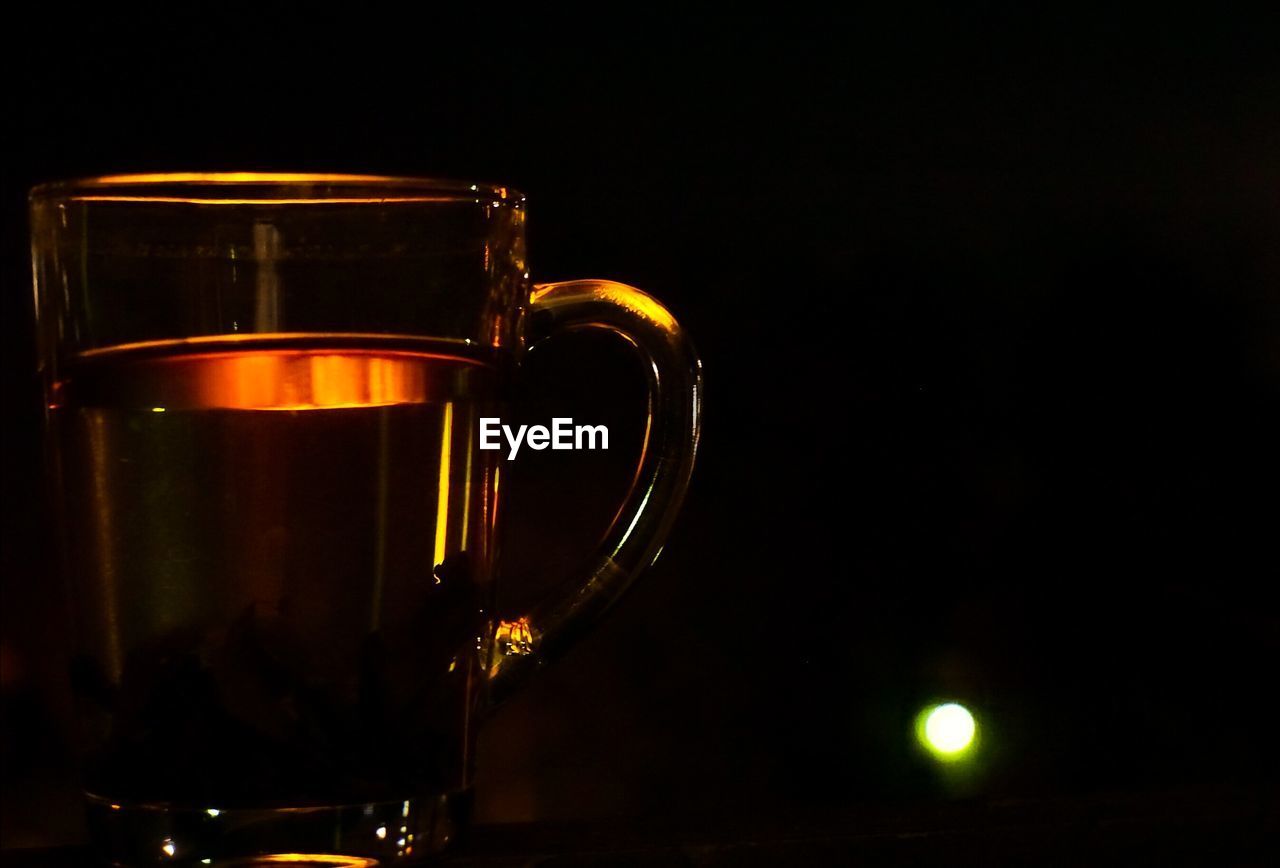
(990, 316)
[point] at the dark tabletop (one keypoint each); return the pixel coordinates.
(1223, 827)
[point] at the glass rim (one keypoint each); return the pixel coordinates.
(270, 188)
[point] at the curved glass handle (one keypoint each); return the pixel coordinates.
(637, 534)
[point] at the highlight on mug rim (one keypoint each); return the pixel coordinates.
(272, 188)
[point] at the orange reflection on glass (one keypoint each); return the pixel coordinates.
(300, 380)
(237, 178)
(289, 380)
(513, 638)
(637, 302)
(312, 859)
(291, 372)
(268, 188)
(314, 200)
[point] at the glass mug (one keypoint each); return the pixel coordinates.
(264, 395)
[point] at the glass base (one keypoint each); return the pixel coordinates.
(360, 836)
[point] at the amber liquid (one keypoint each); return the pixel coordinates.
(280, 553)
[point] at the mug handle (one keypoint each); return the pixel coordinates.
(636, 536)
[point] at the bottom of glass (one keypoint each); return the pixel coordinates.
(346, 836)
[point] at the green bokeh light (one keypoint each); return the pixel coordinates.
(948, 731)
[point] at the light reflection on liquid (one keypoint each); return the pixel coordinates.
(272, 379)
(309, 859)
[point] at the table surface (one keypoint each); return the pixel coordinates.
(1183, 828)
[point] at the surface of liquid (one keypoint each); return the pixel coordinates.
(280, 553)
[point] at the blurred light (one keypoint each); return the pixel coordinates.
(947, 731)
(381, 832)
(169, 847)
(213, 812)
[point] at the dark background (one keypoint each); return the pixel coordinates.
(990, 316)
